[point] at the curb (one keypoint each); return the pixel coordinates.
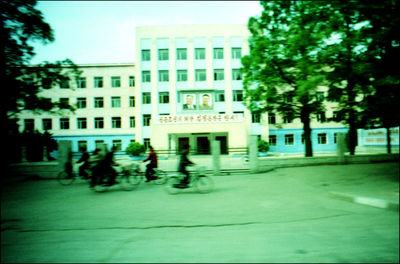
(374, 202)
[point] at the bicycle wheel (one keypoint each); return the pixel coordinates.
(161, 177)
(171, 181)
(204, 184)
(64, 178)
(130, 182)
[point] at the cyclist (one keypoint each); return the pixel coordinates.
(96, 166)
(86, 164)
(183, 163)
(108, 164)
(150, 167)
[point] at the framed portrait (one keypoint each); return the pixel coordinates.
(206, 101)
(189, 101)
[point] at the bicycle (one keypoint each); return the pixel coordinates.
(70, 174)
(198, 181)
(140, 175)
(125, 177)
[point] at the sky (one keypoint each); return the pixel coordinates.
(104, 31)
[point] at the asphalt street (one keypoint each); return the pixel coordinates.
(286, 215)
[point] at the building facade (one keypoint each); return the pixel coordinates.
(185, 89)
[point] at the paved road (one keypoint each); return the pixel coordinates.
(286, 215)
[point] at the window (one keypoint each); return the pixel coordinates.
(236, 53)
(29, 125)
(303, 139)
(146, 142)
(131, 81)
(335, 138)
(146, 76)
(82, 123)
(219, 97)
(181, 54)
(287, 119)
(163, 54)
(81, 82)
(272, 140)
(236, 75)
(181, 75)
(200, 75)
(237, 96)
(82, 145)
(163, 76)
(271, 118)
(164, 97)
(132, 122)
(335, 116)
(131, 101)
(64, 123)
(81, 102)
(146, 120)
(255, 117)
(199, 53)
(289, 139)
(321, 117)
(98, 102)
(146, 98)
(115, 101)
(218, 53)
(99, 122)
(99, 144)
(47, 124)
(322, 139)
(64, 84)
(115, 81)
(145, 55)
(116, 122)
(64, 103)
(98, 82)
(218, 74)
(117, 143)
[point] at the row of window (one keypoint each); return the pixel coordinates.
(289, 139)
(199, 75)
(83, 145)
(81, 82)
(199, 54)
(321, 117)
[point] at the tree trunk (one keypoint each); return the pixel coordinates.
(352, 143)
(388, 145)
(305, 119)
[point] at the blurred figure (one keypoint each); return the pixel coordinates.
(86, 164)
(96, 166)
(108, 164)
(183, 163)
(150, 167)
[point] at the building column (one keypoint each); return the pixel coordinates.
(253, 153)
(216, 153)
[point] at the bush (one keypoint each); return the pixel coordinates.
(263, 146)
(135, 149)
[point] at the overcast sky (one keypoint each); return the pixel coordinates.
(104, 31)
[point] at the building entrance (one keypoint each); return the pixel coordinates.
(223, 144)
(203, 145)
(182, 143)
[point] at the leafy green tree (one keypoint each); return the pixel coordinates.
(363, 56)
(22, 24)
(282, 71)
(135, 149)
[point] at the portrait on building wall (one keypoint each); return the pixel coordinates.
(205, 101)
(189, 101)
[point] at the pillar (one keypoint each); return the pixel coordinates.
(216, 153)
(253, 153)
(340, 147)
(64, 153)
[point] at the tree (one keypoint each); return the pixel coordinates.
(135, 149)
(21, 24)
(363, 78)
(282, 71)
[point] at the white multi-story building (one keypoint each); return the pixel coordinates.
(185, 89)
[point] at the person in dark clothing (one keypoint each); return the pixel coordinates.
(85, 166)
(96, 167)
(108, 164)
(150, 167)
(183, 163)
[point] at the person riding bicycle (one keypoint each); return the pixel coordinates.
(183, 163)
(108, 164)
(150, 167)
(86, 164)
(96, 166)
